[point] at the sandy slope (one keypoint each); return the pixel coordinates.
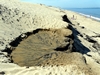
(17, 18)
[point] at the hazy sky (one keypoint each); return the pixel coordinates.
(68, 3)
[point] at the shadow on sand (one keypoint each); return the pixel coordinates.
(77, 46)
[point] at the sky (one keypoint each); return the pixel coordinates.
(68, 3)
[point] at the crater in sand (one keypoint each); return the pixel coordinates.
(40, 46)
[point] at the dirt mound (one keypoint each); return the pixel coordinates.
(41, 43)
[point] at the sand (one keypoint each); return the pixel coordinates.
(18, 18)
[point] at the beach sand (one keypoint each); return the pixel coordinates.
(22, 23)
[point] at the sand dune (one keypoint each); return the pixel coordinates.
(69, 46)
